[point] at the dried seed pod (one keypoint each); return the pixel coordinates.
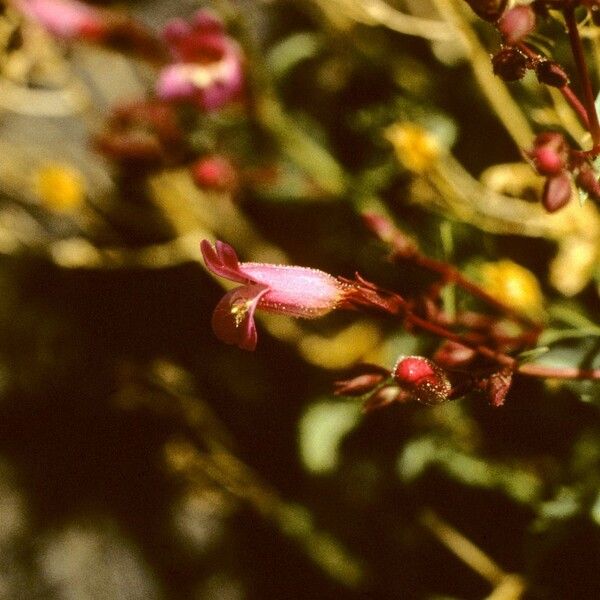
(498, 385)
(509, 64)
(551, 73)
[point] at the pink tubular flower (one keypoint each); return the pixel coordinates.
(289, 290)
(67, 19)
(207, 67)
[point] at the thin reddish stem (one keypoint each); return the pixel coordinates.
(395, 305)
(574, 102)
(541, 371)
(588, 94)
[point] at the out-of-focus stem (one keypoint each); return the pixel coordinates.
(492, 87)
(462, 547)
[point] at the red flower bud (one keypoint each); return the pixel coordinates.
(425, 380)
(557, 192)
(214, 172)
(547, 161)
(516, 24)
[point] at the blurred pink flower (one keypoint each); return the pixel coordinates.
(65, 18)
(208, 63)
(288, 290)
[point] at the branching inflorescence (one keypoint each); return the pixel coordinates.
(551, 155)
(478, 352)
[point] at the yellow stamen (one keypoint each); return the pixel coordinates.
(239, 309)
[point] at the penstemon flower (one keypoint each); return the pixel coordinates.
(208, 63)
(289, 290)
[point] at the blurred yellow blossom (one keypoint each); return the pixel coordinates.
(416, 148)
(512, 285)
(60, 187)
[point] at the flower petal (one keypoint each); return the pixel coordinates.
(233, 317)
(223, 261)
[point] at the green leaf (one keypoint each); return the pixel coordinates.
(321, 431)
(551, 336)
(284, 56)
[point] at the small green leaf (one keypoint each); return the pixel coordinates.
(284, 56)
(321, 431)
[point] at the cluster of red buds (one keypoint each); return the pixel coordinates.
(551, 155)
(514, 58)
(553, 158)
(215, 172)
(429, 382)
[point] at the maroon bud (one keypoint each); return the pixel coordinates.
(509, 64)
(551, 73)
(452, 354)
(586, 179)
(557, 192)
(516, 24)
(498, 385)
(490, 10)
(547, 161)
(425, 380)
(596, 14)
(359, 385)
(214, 172)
